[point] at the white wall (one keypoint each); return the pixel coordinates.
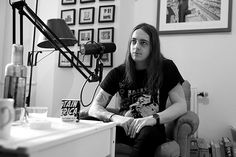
(206, 60)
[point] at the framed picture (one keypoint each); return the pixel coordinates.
(86, 15)
(106, 35)
(67, 2)
(194, 16)
(63, 62)
(85, 36)
(85, 59)
(106, 13)
(86, 1)
(107, 59)
(69, 16)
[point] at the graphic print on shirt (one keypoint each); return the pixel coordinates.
(139, 102)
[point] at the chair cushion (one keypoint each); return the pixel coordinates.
(168, 149)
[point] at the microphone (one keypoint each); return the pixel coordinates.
(97, 48)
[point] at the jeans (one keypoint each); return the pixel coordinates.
(145, 142)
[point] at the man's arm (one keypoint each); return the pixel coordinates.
(99, 104)
(178, 107)
(98, 110)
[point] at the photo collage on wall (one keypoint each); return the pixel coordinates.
(90, 21)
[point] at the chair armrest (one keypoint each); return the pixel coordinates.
(190, 118)
(186, 126)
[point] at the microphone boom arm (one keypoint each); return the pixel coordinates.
(24, 9)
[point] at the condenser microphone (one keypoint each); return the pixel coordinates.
(97, 48)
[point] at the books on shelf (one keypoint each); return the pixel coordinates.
(199, 148)
(227, 147)
(212, 149)
(221, 148)
(217, 146)
(234, 149)
(193, 147)
(233, 132)
(215, 150)
(203, 148)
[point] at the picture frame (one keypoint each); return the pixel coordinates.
(86, 15)
(203, 16)
(69, 16)
(106, 35)
(63, 62)
(86, 1)
(107, 59)
(68, 2)
(85, 36)
(106, 13)
(87, 60)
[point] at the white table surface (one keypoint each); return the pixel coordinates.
(60, 132)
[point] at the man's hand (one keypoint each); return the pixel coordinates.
(138, 124)
(123, 122)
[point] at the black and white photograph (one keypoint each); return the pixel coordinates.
(63, 61)
(69, 16)
(85, 36)
(106, 13)
(85, 59)
(86, 15)
(193, 16)
(106, 35)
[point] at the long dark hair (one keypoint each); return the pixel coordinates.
(154, 60)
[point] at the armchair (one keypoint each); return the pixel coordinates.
(178, 132)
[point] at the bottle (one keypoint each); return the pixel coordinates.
(15, 80)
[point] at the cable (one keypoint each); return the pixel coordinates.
(45, 56)
(81, 93)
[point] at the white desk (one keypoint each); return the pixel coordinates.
(84, 139)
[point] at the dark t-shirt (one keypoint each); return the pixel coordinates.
(138, 101)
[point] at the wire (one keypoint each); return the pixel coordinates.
(81, 93)
(46, 56)
(82, 90)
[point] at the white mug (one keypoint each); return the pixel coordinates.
(6, 117)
